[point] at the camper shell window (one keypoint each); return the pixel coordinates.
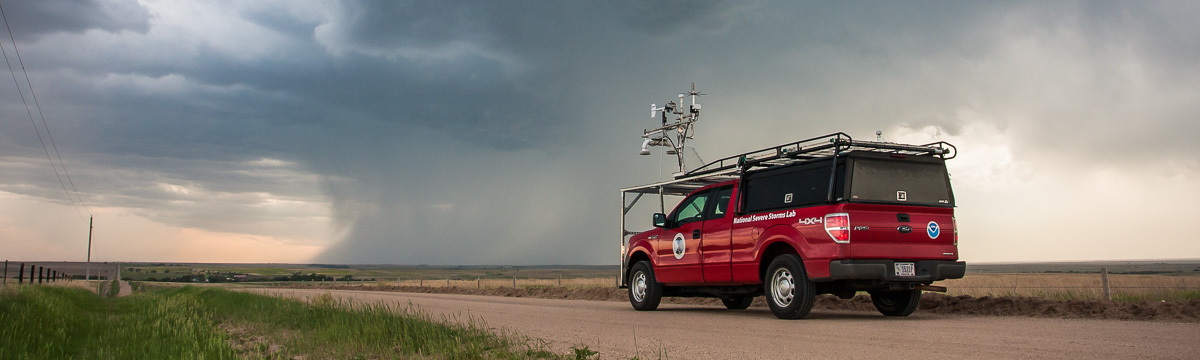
(859, 177)
(793, 186)
(915, 181)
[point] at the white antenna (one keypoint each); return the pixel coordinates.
(675, 134)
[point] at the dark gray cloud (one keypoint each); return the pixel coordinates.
(499, 132)
(41, 17)
(675, 16)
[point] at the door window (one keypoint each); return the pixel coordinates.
(691, 209)
(722, 206)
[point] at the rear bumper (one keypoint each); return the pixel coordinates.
(926, 270)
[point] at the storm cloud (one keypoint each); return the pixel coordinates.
(499, 132)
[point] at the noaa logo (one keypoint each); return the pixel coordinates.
(933, 229)
(678, 246)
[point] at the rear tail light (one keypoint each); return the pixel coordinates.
(837, 225)
(954, 223)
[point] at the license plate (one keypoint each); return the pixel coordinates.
(906, 269)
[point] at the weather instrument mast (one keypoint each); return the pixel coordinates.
(675, 134)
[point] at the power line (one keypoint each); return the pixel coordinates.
(43, 117)
(41, 114)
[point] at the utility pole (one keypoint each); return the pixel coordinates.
(89, 253)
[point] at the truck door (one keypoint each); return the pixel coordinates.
(715, 239)
(678, 250)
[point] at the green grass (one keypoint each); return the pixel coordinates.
(1166, 295)
(39, 322)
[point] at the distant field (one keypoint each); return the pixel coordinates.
(1160, 279)
(1071, 286)
(1176, 267)
(143, 271)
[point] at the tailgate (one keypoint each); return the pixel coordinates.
(901, 232)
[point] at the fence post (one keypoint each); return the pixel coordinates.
(5, 273)
(1104, 282)
(477, 286)
(560, 280)
(41, 269)
(514, 282)
(31, 271)
(21, 275)
(420, 281)
(447, 281)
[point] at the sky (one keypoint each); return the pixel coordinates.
(462, 133)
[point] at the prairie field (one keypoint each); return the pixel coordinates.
(53, 322)
(1128, 280)
(1077, 286)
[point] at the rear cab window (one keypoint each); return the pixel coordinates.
(921, 181)
(857, 178)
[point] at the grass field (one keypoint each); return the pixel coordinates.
(1129, 280)
(1071, 286)
(143, 271)
(43, 322)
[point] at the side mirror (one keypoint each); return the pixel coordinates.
(660, 220)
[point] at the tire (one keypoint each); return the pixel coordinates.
(738, 303)
(896, 303)
(789, 293)
(645, 293)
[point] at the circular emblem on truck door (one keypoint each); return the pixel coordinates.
(933, 229)
(678, 246)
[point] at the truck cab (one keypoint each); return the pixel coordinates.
(827, 215)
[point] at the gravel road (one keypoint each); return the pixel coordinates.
(694, 332)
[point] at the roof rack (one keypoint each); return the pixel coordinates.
(821, 147)
(826, 146)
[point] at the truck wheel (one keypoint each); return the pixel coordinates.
(644, 290)
(738, 303)
(896, 303)
(789, 293)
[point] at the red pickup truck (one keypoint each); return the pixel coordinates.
(827, 215)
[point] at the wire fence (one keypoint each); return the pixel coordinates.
(69, 274)
(33, 273)
(1077, 285)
